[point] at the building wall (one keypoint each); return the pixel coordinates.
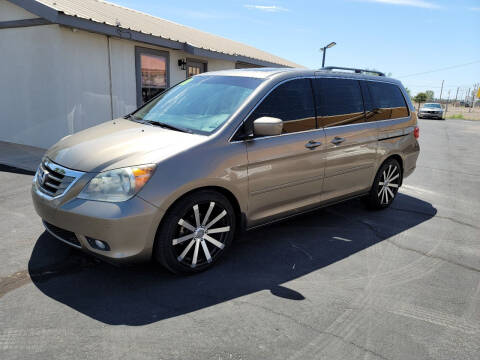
(55, 81)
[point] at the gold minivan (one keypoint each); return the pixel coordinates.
(223, 152)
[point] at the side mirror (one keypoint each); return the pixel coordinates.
(267, 126)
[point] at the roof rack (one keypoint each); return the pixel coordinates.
(357, 71)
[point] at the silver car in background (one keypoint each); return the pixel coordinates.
(431, 111)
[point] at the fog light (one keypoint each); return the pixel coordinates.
(98, 244)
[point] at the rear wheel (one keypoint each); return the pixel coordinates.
(195, 233)
(386, 185)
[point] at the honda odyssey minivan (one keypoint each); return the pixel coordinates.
(223, 152)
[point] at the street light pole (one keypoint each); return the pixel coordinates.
(324, 50)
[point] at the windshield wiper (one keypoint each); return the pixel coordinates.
(158, 123)
(167, 126)
(133, 118)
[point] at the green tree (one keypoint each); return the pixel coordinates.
(429, 94)
(420, 97)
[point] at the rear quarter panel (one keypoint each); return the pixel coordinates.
(396, 137)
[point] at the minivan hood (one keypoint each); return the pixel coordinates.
(119, 143)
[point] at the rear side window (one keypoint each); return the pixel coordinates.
(291, 102)
(387, 101)
(339, 102)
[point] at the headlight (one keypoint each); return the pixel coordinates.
(117, 185)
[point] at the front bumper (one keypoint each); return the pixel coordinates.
(431, 115)
(127, 227)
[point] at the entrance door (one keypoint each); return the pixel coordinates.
(195, 68)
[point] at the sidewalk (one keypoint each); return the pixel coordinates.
(20, 156)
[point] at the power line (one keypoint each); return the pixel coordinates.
(441, 69)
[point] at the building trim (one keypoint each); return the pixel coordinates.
(110, 84)
(56, 17)
(23, 23)
(196, 51)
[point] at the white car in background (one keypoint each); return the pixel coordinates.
(431, 111)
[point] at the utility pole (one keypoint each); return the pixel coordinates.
(476, 93)
(455, 102)
(441, 91)
(448, 101)
(473, 96)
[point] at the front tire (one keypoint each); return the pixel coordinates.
(385, 185)
(195, 233)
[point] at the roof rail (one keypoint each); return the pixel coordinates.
(357, 71)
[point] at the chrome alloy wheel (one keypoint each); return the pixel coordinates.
(198, 244)
(388, 184)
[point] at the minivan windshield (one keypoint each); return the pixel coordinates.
(200, 104)
(433, 106)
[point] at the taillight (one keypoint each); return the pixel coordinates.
(416, 132)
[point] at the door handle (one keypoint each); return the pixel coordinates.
(312, 144)
(337, 140)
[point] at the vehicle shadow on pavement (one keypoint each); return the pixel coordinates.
(264, 259)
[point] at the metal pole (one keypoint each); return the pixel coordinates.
(473, 96)
(323, 60)
(448, 100)
(455, 102)
(441, 90)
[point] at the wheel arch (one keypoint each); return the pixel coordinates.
(239, 215)
(397, 157)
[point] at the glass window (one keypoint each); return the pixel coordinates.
(339, 102)
(200, 104)
(151, 74)
(432, 106)
(291, 102)
(388, 101)
(195, 68)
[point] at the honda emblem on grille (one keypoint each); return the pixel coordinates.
(43, 177)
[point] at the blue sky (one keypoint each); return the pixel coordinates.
(401, 37)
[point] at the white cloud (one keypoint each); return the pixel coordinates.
(415, 3)
(475, 8)
(267, 8)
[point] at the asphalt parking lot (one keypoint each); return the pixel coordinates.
(339, 283)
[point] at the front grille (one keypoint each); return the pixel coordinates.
(53, 179)
(62, 234)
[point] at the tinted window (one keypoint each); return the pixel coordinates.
(291, 102)
(388, 101)
(339, 102)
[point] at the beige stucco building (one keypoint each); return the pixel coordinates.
(70, 64)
